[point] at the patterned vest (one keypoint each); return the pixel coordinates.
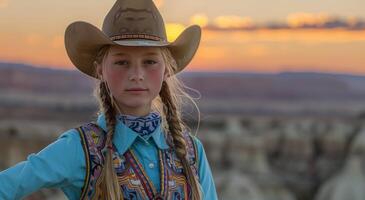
(133, 180)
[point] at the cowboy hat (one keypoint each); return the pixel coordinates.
(128, 23)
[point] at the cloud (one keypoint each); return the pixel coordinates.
(300, 36)
(268, 50)
(294, 21)
(200, 19)
(233, 22)
(308, 19)
(4, 3)
(323, 20)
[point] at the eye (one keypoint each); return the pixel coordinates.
(121, 62)
(150, 62)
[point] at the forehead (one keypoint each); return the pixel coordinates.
(133, 51)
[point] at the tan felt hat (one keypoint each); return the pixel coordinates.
(128, 23)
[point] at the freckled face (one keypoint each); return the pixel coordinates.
(134, 76)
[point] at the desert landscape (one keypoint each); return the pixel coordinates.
(287, 136)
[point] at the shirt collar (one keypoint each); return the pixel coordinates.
(144, 126)
(124, 136)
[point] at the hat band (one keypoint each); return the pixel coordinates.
(135, 36)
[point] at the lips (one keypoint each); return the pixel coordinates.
(136, 89)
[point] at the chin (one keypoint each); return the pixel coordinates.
(135, 104)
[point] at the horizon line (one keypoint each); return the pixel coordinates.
(62, 68)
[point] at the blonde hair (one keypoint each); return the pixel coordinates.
(169, 104)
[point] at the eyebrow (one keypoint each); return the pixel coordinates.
(146, 54)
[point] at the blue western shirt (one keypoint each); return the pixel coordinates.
(62, 164)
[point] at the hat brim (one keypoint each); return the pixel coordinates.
(83, 41)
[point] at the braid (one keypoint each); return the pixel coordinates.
(109, 111)
(176, 130)
(108, 183)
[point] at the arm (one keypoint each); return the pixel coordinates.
(205, 173)
(53, 166)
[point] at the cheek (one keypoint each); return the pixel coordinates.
(115, 79)
(156, 78)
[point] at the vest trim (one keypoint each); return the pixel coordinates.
(87, 160)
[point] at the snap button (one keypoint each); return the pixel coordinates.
(151, 165)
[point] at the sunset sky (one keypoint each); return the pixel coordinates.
(238, 35)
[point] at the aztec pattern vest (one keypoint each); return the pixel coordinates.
(133, 180)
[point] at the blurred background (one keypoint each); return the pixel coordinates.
(282, 90)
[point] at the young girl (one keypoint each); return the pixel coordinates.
(139, 147)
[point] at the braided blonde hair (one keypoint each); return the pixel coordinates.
(170, 94)
(107, 184)
(169, 104)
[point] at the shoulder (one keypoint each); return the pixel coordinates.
(81, 136)
(91, 134)
(90, 129)
(70, 140)
(71, 134)
(71, 137)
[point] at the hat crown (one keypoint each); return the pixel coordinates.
(134, 19)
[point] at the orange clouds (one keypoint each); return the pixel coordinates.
(310, 19)
(199, 19)
(36, 49)
(306, 36)
(233, 22)
(300, 20)
(261, 50)
(305, 42)
(335, 50)
(323, 20)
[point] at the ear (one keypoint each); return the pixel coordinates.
(165, 75)
(98, 70)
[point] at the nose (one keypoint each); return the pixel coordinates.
(136, 73)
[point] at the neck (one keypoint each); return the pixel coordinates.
(137, 112)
